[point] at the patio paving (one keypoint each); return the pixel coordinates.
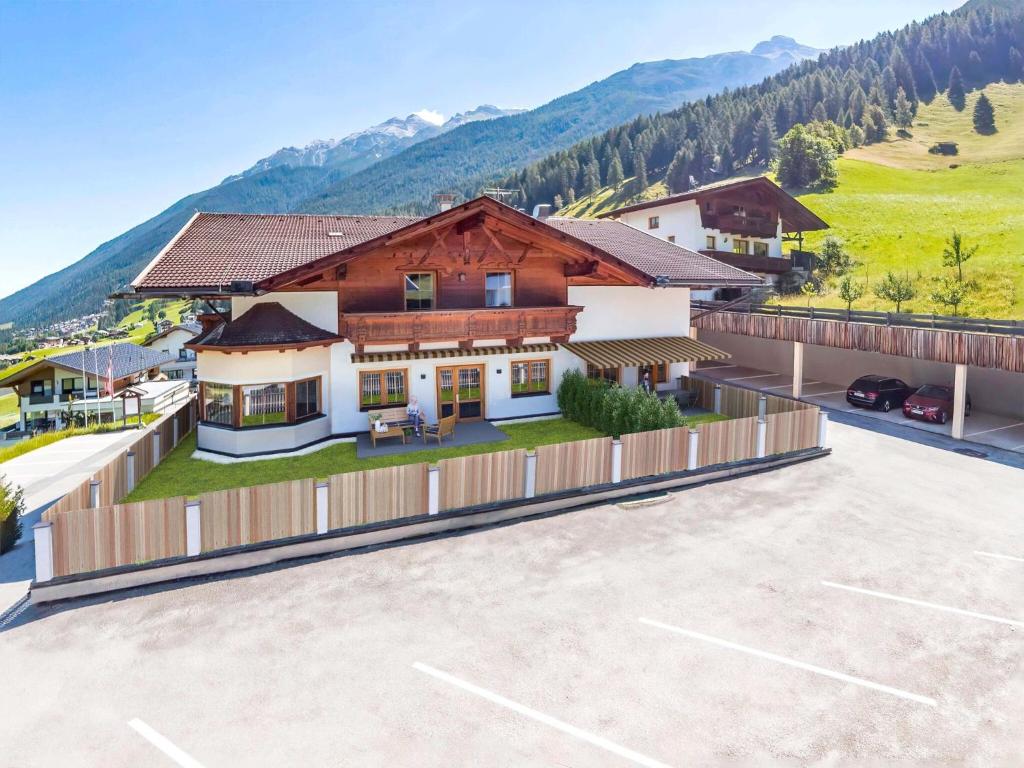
(466, 433)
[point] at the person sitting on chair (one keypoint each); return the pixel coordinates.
(413, 411)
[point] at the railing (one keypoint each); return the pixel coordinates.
(768, 264)
(760, 226)
(902, 319)
(457, 324)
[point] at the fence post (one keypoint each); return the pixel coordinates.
(616, 461)
(762, 437)
(691, 453)
(174, 420)
(718, 398)
(129, 470)
(321, 507)
(433, 490)
(531, 475)
(762, 407)
(193, 528)
(42, 533)
(156, 448)
(822, 429)
(94, 493)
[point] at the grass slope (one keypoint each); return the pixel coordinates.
(8, 409)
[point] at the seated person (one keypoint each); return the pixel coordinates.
(414, 413)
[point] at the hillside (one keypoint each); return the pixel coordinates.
(312, 178)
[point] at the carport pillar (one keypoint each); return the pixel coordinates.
(616, 461)
(762, 437)
(691, 450)
(193, 528)
(959, 400)
(129, 470)
(798, 369)
(42, 534)
(762, 407)
(321, 507)
(433, 490)
(822, 429)
(530, 476)
(718, 398)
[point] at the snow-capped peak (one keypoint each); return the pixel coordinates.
(431, 116)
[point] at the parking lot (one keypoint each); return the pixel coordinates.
(980, 427)
(864, 608)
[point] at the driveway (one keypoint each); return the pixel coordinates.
(861, 609)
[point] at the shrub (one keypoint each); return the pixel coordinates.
(12, 505)
(612, 409)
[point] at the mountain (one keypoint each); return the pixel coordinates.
(400, 164)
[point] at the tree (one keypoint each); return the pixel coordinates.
(952, 293)
(895, 289)
(984, 115)
(1016, 63)
(876, 127)
(558, 203)
(678, 175)
(850, 291)
(956, 253)
(806, 160)
(904, 113)
(615, 172)
(810, 290)
(856, 134)
(834, 261)
(641, 172)
(955, 90)
(764, 140)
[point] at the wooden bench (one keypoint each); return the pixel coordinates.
(395, 418)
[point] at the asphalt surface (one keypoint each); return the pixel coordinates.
(523, 645)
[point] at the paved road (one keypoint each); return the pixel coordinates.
(523, 645)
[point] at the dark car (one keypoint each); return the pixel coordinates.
(881, 392)
(933, 402)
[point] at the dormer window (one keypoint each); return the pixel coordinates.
(653, 222)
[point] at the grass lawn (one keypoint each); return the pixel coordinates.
(180, 475)
(8, 409)
(22, 447)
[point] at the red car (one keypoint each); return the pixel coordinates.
(933, 402)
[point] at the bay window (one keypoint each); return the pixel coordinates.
(307, 398)
(219, 403)
(263, 404)
(244, 406)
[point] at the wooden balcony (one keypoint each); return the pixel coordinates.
(765, 265)
(751, 226)
(417, 326)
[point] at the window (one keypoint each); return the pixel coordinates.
(653, 222)
(174, 374)
(263, 404)
(761, 249)
(671, 238)
(419, 290)
(709, 242)
(382, 388)
(67, 386)
(530, 377)
(219, 403)
(608, 375)
(741, 246)
(498, 289)
(307, 398)
(658, 371)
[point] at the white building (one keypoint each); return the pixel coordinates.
(171, 342)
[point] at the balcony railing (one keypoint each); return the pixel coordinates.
(771, 265)
(754, 226)
(417, 326)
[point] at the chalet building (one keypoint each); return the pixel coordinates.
(742, 223)
(93, 382)
(476, 311)
(171, 342)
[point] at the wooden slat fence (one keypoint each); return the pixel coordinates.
(76, 498)
(579, 464)
(258, 513)
(106, 537)
(725, 441)
(376, 495)
(485, 478)
(655, 453)
(792, 431)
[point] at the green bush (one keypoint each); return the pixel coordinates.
(612, 409)
(12, 504)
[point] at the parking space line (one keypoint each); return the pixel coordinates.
(713, 367)
(783, 386)
(761, 376)
(820, 394)
(1000, 557)
(995, 429)
(793, 663)
(162, 743)
(572, 730)
(925, 604)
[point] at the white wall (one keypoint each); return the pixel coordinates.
(317, 307)
(682, 219)
(264, 367)
(630, 312)
(172, 343)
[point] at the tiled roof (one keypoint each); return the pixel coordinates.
(652, 255)
(217, 248)
(266, 324)
(127, 359)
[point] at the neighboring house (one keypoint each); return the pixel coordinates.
(476, 311)
(743, 223)
(171, 342)
(82, 381)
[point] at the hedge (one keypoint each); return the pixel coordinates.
(612, 409)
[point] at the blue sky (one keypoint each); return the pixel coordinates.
(111, 111)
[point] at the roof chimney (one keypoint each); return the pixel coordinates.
(541, 210)
(444, 201)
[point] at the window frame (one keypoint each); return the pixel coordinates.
(232, 389)
(759, 245)
(653, 222)
(318, 404)
(741, 246)
(283, 386)
(671, 238)
(711, 242)
(602, 376)
(382, 372)
(511, 289)
(238, 403)
(529, 362)
(433, 294)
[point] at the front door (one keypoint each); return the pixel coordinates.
(460, 391)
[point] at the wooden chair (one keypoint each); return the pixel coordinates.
(393, 418)
(442, 429)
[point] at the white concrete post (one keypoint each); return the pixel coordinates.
(321, 507)
(616, 461)
(762, 407)
(822, 429)
(174, 419)
(129, 463)
(798, 369)
(531, 476)
(94, 493)
(693, 331)
(433, 490)
(959, 400)
(156, 448)
(718, 398)
(691, 453)
(193, 529)
(762, 437)
(42, 533)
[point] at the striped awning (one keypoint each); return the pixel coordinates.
(442, 354)
(630, 352)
